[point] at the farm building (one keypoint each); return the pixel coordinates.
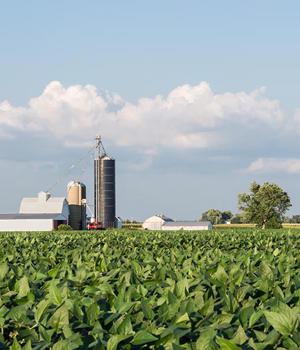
(187, 225)
(44, 204)
(118, 222)
(161, 222)
(155, 222)
(42, 213)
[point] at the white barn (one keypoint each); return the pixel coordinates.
(42, 213)
(162, 222)
(44, 204)
(155, 222)
(187, 226)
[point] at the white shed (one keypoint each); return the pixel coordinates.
(187, 225)
(155, 222)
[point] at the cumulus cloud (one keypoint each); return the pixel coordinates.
(188, 117)
(278, 165)
(295, 123)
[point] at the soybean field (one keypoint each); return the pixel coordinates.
(224, 289)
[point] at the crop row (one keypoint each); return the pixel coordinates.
(230, 289)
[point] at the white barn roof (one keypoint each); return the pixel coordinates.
(44, 204)
(155, 222)
(31, 217)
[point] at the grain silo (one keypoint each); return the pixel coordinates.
(104, 187)
(76, 197)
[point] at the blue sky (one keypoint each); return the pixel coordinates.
(174, 87)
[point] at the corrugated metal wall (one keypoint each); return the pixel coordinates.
(105, 191)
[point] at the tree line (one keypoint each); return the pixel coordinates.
(264, 205)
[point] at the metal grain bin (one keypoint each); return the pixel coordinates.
(105, 190)
(76, 197)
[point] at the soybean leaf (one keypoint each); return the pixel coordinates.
(41, 307)
(284, 321)
(92, 313)
(227, 344)
(204, 342)
(15, 345)
(60, 318)
(143, 337)
(55, 294)
(3, 270)
(24, 288)
(114, 341)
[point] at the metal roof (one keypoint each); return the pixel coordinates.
(165, 218)
(37, 216)
(187, 223)
(44, 204)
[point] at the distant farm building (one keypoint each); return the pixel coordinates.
(118, 222)
(42, 213)
(155, 222)
(187, 225)
(162, 222)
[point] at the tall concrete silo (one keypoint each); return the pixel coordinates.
(104, 187)
(76, 197)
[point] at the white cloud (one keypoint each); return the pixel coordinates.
(275, 165)
(296, 120)
(188, 117)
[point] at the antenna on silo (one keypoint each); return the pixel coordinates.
(99, 147)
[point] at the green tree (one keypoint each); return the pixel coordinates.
(265, 205)
(239, 219)
(295, 219)
(226, 215)
(212, 215)
(216, 216)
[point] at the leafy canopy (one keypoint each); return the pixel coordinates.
(265, 205)
(216, 216)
